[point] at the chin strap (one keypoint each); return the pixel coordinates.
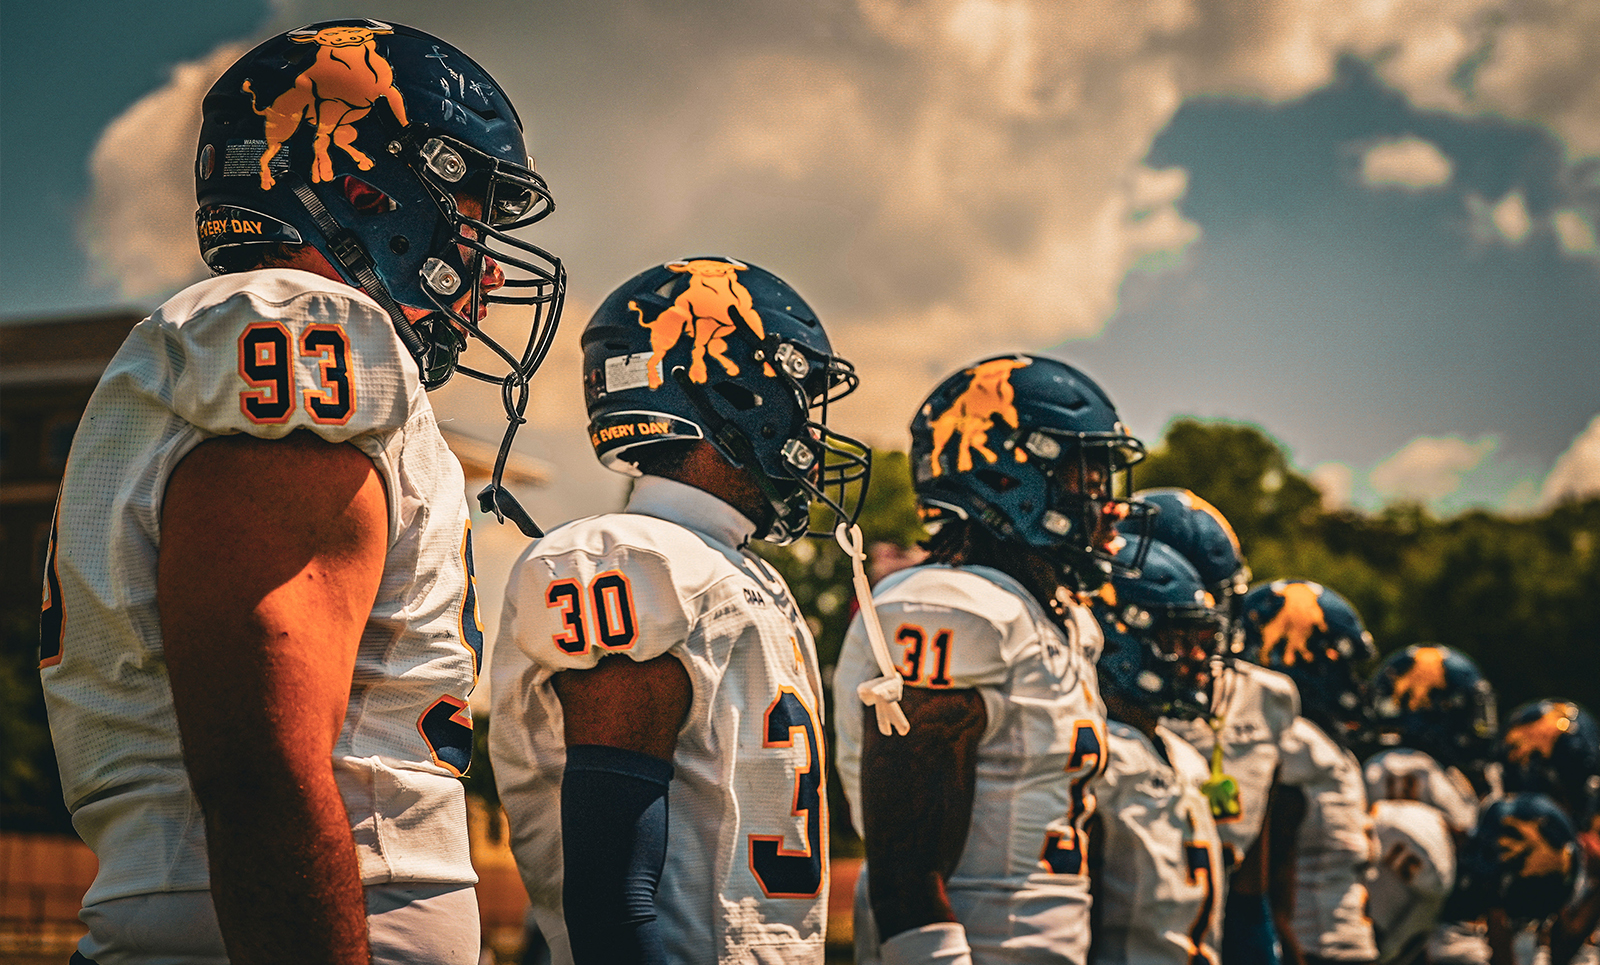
(882, 694)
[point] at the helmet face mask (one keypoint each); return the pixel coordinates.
(1162, 631)
(1031, 449)
(401, 161)
(710, 348)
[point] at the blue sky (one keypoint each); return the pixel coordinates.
(1370, 233)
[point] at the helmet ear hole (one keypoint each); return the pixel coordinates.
(366, 199)
(738, 396)
(997, 481)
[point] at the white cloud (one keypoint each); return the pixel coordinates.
(1429, 468)
(1574, 232)
(1576, 473)
(1511, 219)
(138, 227)
(1408, 162)
(1336, 481)
(941, 178)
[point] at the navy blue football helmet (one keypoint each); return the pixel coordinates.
(1553, 747)
(1522, 857)
(1161, 628)
(1196, 529)
(1033, 450)
(392, 153)
(712, 348)
(1434, 699)
(1314, 635)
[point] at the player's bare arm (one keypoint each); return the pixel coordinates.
(917, 801)
(271, 556)
(626, 704)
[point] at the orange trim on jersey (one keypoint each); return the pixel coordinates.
(604, 598)
(334, 375)
(51, 599)
(462, 716)
(469, 599)
(264, 392)
(1199, 953)
(795, 808)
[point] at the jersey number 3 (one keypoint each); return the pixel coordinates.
(789, 873)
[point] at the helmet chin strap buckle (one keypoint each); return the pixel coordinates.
(498, 500)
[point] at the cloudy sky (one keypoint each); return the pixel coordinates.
(1368, 228)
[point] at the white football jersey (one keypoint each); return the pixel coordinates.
(1404, 774)
(1161, 884)
(1415, 870)
(263, 353)
(1257, 706)
(1021, 882)
(1334, 849)
(746, 874)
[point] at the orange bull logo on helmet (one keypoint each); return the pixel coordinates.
(1300, 617)
(987, 397)
(1414, 689)
(346, 79)
(713, 307)
(1522, 844)
(1539, 735)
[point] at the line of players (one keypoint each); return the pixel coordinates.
(1222, 815)
(260, 732)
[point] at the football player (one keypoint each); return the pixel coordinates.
(1517, 864)
(1155, 862)
(259, 627)
(1252, 709)
(1552, 747)
(1320, 827)
(655, 676)
(974, 821)
(1433, 713)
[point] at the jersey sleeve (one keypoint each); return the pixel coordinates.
(1306, 755)
(588, 591)
(267, 353)
(949, 629)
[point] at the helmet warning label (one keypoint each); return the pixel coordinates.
(242, 159)
(625, 372)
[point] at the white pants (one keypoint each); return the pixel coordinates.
(407, 924)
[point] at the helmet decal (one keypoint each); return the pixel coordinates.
(1414, 689)
(1524, 846)
(1300, 616)
(1540, 734)
(714, 306)
(971, 415)
(345, 80)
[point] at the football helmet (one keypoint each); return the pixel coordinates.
(1553, 747)
(1203, 536)
(1523, 857)
(1032, 449)
(712, 348)
(1161, 630)
(1434, 699)
(402, 161)
(1314, 635)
